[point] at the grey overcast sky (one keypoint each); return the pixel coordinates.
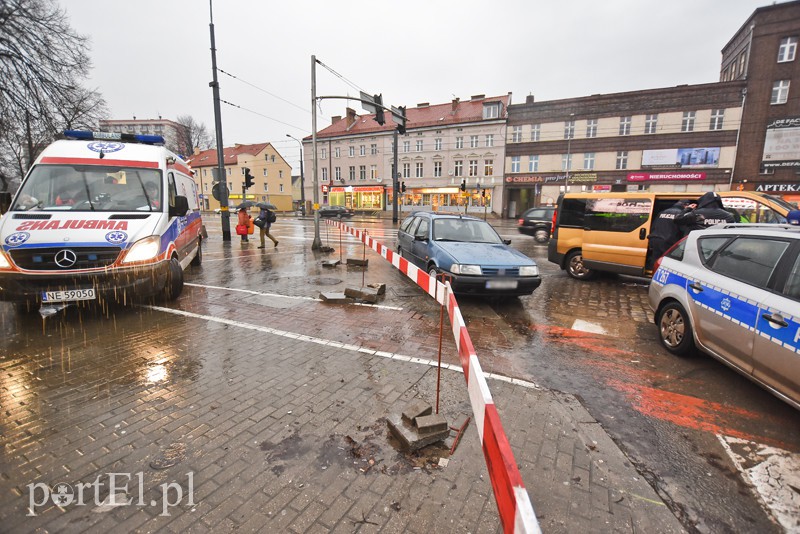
(152, 57)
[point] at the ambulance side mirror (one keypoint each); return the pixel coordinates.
(180, 208)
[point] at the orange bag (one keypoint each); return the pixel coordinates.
(251, 228)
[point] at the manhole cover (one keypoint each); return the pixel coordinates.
(323, 281)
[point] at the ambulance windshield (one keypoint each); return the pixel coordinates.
(90, 188)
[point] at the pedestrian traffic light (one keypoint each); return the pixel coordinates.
(463, 185)
(379, 118)
(403, 187)
(248, 178)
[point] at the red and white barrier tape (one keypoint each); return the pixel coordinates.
(513, 502)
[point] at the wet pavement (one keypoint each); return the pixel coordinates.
(249, 405)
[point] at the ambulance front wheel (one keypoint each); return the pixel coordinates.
(174, 285)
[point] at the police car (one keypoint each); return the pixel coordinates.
(734, 292)
(100, 216)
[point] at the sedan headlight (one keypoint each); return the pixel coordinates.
(457, 268)
(529, 270)
(4, 263)
(144, 250)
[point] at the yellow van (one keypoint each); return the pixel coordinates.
(608, 231)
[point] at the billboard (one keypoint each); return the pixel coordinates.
(656, 176)
(683, 158)
(782, 143)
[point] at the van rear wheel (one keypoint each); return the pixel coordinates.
(575, 267)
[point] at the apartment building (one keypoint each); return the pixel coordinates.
(444, 145)
(272, 175)
(171, 131)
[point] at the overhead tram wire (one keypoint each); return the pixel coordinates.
(265, 116)
(263, 90)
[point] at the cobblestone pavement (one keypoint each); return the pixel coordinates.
(269, 413)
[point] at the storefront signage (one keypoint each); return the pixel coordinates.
(357, 189)
(324, 188)
(601, 188)
(582, 177)
(524, 179)
(778, 188)
(684, 158)
(659, 176)
(782, 143)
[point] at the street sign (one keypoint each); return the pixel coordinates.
(396, 115)
(368, 102)
(316, 207)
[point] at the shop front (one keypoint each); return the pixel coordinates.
(359, 198)
(444, 199)
(790, 192)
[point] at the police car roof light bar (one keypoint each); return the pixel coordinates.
(114, 136)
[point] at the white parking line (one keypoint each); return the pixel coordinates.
(336, 344)
(294, 297)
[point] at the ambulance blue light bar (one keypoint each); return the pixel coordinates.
(85, 135)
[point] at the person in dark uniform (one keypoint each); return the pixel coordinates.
(706, 213)
(664, 231)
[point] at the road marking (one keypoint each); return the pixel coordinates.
(263, 294)
(773, 473)
(337, 344)
(586, 326)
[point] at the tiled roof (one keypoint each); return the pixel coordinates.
(418, 117)
(208, 158)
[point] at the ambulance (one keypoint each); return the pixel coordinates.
(100, 217)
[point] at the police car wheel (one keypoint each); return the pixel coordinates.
(675, 329)
(174, 285)
(575, 267)
(198, 259)
(541, 236)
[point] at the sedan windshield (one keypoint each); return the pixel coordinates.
(465, 230)
(90, 188)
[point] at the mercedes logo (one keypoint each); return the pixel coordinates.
(65, 258)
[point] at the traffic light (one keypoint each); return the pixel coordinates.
(401, 127)
(379, 118)
(463, 185)
(403, 187)
(248, 178)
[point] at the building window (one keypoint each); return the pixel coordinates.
(473, 167)
(352, 151)
(266, 187)
(488, 167)
(337, 152)
(419, 170)
(569, 129)
(622, 159)
(787, 50)
(362, 150)
(687, 125)
(352, 173)
(591, 128)
(437, 144)
(588, 161)
(780, 92)
(533, 163)
(650, 123)
(406, 170)
(373, 149)
(323, 154)
(489, 140)
(717, 115)
(419, 145)
(473, 141)
(491, 111)
(437, 169)
(535, 132)
(324, 174)
(459, 142)
(514, 163)
(741, 63)
(264, 171)
(566, 162)
(362, 172)
(337, 174)
(625, 125)
(373, 171)
(406, 146)
(516, 134)
(458, 167)
(229, 171)
(280, 174)
(280, 188)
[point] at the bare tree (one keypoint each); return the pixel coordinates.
(42, 60)
(194, 135)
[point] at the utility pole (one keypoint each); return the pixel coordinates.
(223, 191)
(317, 243)
(395, 177)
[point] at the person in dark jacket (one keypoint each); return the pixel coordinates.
(664, 231)
(707, 213)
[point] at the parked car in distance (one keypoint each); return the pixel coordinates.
(537, 222)
(470, 251)
(337, 212)
(734, 292)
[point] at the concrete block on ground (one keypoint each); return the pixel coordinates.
(380, 288)
(362, 293)
(330, 263)
(335, 298)
(357, 262)
(416, 408)
(434, 423)
(408, 436)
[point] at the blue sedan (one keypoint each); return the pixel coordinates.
(470, 251)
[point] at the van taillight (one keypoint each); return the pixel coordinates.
(521, 222)
(553, 222)
(657, 264)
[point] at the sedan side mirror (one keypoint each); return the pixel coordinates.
(420, 238)
(506, 241)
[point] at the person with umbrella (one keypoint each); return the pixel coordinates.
(244, 219)
(268, 217)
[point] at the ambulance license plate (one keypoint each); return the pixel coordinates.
(68, 295)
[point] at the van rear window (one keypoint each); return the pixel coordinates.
(572, 212)
(617, 214)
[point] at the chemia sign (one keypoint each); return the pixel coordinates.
(778, 188)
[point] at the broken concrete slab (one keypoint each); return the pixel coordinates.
(408, 436)
(362, 293)
(330, 263)
(428, 424)
(357, 262)
(416, 408)
(335, 298)
(381, 288)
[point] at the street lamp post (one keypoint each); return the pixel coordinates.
(569, 147)
(302, 178)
